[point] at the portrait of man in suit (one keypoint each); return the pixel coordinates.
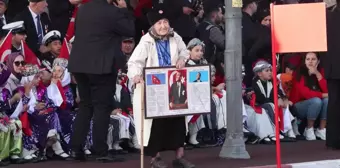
(177, 93)
(198, 77)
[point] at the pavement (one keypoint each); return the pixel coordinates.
(301, 154)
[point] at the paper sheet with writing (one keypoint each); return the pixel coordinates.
(172, 92)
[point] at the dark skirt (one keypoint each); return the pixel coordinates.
(166, 134)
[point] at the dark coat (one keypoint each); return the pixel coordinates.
(99, 29)
(331, 59)
(32, 36)
(60, 12)
(176, 97)
(14, 7)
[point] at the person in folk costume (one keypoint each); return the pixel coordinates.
(121, 120)
(41, 109)
(263, 92)
(286, 83)
(310, 96)
(161, 46)
(257, 120)
(61, 94)
(10, 125)
(196, 123)
(52, 40)
(15, 63)
(18, 34)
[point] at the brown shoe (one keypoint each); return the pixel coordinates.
(158, 163)
(182, 163)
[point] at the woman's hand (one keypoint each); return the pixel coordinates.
(28, 88)
(138, 79)
(281, 103)
(324, 95)
(180, 63)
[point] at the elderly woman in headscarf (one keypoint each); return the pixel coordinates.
(61, 94)
(10, 125)
(160, 47)
(42, 114)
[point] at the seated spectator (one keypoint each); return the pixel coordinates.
(122, 129)
(61, 94)
(52, 41)
(43, 114)
(18, 34)
(310, 96)
(10, 126)
(263, 89)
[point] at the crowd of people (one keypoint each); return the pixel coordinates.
(40, 100)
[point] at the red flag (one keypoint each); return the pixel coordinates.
(64, 51)
(70, 29)
(6, 47)
(194, 118)
(252, 103)
(29, 55)
(155, 80)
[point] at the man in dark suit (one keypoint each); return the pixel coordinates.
(99, 28)
(37, 24)
(60, 12)
(332, 73)
(178, 96)
(198, 77)
(3, 19)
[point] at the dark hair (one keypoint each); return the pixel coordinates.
(302, 71)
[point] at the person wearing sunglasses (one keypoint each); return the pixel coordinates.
(18, 34)
(52, 41)
(15, 63)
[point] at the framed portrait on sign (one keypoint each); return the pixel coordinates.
(171, 92)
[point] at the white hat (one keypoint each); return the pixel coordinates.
(15, 26)
(51, 36)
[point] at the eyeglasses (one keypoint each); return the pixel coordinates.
(18, 63)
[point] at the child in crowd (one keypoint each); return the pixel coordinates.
(263, 89)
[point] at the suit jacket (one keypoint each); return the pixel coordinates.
(60, 12)
(176, 97)
(331, 59)
(14, 7)
(32, 36)
(99, 29)
(3, 33)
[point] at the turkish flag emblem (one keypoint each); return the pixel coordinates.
(155, 80)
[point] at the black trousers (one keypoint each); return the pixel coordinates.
(96, 93)
(333, 114)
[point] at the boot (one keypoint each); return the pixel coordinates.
(158, 163)
(193, 139)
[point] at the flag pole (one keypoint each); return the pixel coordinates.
(277, 129)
